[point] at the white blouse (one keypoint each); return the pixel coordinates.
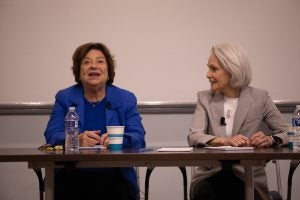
(230, 105)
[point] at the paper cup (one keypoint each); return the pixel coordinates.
(115, 137)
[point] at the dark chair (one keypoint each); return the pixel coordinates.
(293, 166)
(147, 178)
(41, 179)
(277, 195)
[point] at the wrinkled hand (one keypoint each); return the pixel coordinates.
(236, 141)
(104, 140)
(239, 141)
(259, 139)
(89, 138)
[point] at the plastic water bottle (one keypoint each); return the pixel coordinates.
(296, 127)
(72, 130)
(291, 134)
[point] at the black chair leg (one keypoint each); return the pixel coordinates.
(148, 173)
(39, 174)
(293, 165)
(183, 171)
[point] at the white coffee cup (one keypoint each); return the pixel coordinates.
(115, 137)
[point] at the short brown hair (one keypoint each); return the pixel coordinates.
(81, 52)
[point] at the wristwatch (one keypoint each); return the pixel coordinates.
(276, 140)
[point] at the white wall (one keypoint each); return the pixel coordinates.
(161, 46)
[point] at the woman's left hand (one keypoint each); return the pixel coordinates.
(238, 140)
(259, 139)
(104, 140)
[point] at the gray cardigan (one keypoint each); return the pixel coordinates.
(255, 110)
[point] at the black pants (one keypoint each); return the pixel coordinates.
(224, 185)
(77, 184)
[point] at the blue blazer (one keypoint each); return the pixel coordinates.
(122, 110)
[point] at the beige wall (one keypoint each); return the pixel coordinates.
(161, 46)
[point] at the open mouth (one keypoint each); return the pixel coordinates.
(94, 74)
(212, 82)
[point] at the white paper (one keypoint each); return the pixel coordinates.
(230, 148)
(94, 147)
(175, 149)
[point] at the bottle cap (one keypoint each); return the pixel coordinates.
(71, 108)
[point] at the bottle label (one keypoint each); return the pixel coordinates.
(296, 121)
(71, 124)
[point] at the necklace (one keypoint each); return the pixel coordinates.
(228, 113)
(230, 105)
(94, 104)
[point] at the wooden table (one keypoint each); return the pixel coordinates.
(149, 157)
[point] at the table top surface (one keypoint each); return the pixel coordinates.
(150, 153)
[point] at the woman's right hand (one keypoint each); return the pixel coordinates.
(218, 141)
(239, 141)
(236, 141)
(89, 138)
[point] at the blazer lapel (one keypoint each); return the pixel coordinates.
(113, 99)
(110, 114)
(217, 112)
(244, 104)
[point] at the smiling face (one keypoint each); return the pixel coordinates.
(219, 79)
(93, 69)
